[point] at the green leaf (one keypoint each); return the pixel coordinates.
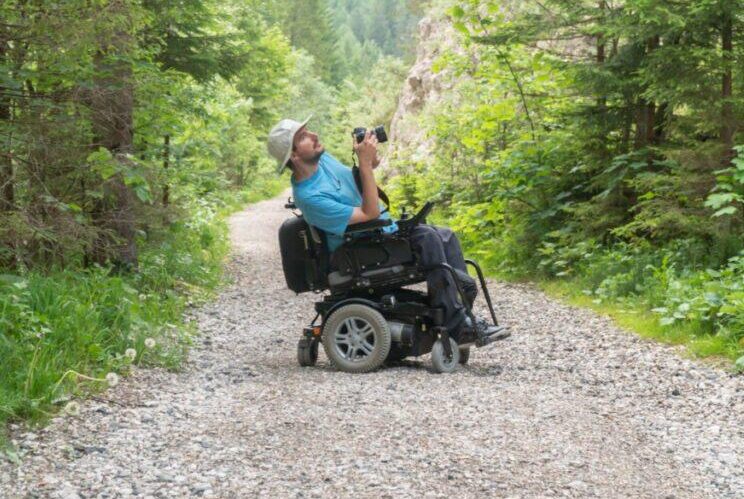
(457, 12)
(739, 364)
(719, 199)
(729, 309)
(461, 27)
(143, 193)
(10, 278)
(729, 210)
(12, 456)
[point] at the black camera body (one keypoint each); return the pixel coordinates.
(378, 131)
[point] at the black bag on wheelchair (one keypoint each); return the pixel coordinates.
(305, 269)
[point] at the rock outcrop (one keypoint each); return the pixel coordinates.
(422, 88)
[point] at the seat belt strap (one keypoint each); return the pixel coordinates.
(380, 193)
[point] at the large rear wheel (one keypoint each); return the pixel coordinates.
(356, 338)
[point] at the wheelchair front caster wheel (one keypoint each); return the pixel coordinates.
(464, 355)
(443, 364)
(307, 352)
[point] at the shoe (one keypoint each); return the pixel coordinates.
(484, 332)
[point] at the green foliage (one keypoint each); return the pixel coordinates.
(728, 194)
(207, 80)
(367, 102)
(84, 320)
(313, 97)
(346, 38)
(708, 305)
(384, 26)
(308, 25)
(594, 143)
(134, 140)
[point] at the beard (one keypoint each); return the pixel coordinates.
(316, 157)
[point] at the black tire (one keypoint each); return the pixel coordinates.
(464, 355)
(346, 336)
(440, 362)
(307, 352)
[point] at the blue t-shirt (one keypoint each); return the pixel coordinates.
(327, 199)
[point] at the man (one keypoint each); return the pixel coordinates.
(326, 192)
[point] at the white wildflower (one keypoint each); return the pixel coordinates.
(72, 408)
(130, 353)
(112, 379)
(149, 342)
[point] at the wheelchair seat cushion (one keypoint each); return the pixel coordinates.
(359, 255)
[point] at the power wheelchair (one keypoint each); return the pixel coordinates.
(370, 317)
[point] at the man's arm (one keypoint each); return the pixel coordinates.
(366, 151)
(377, 161)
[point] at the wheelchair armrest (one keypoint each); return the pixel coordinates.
(406, 225)
(377, 223)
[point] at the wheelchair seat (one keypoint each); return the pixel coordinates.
(369, 260)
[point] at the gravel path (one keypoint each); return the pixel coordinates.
(569, 406)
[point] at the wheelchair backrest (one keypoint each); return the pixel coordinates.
(304, 256)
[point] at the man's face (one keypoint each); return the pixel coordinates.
(306, 147)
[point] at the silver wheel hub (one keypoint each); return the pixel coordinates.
(354, 339)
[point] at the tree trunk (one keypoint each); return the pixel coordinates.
(662, 119)
(7, 188)
(166, 165)
(627, 126)
(112, 105)
(601, 100)
(646, 113)
(240, 179)
(728, 124)
(641, 120)
(652, 45)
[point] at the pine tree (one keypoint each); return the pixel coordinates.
(308, 26)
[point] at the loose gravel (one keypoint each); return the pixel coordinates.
(570, 406)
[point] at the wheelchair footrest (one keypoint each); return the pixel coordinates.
(498, 334)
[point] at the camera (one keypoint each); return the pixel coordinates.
(378, 131)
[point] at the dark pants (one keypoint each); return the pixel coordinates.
(440, 245)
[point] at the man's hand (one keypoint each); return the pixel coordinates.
(366, 151)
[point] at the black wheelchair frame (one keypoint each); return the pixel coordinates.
(371, 269)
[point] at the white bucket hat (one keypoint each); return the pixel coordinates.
(280, 140)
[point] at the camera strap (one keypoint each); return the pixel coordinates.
(380, 192)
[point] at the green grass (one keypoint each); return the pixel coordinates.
(63, 331)
(635, 317)
(642, 322)
(59, 325)
(268, 188)
(263, 188)
(634, 314)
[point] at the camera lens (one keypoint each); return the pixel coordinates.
(359, 134)
(380, 134)
(378, 131)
